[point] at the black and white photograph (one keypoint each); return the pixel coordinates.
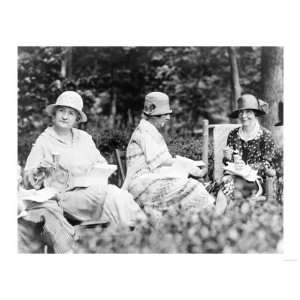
(150, 149)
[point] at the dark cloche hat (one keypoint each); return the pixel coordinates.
(247, 101)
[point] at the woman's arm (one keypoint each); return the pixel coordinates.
(230, 144)
(32, 176)
(168, 162)
(268, 148)
(94, 152)
(156, 153)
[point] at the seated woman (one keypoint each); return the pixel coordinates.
(147, 155)
(251, 145)
(79, 197)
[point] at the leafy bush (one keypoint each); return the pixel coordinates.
(247, 227)
(25, 143)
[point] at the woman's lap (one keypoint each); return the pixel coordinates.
(235, 186)
(84, 204)
(162, 193)
(45, 224)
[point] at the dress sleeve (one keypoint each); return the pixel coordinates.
(95, 152)
(268, 150)
(230, 139)
(156, 152)
(230, 143)
(36, 155)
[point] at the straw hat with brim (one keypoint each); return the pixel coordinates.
(69, 99)
(157, 104)
(247, 101)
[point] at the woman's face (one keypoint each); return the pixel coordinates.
(161, 121)
(247, 117)
(65, 117)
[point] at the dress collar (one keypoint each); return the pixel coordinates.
(51, 132)
(256, 133)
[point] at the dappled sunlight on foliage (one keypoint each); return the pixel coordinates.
(247, 226)
(197, 80)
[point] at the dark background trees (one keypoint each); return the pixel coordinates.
(202, 82)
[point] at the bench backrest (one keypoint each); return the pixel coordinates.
(120, 157)
(219, 134)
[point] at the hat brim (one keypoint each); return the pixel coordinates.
(235, 114)
(49, 111)
(279, 124)
(158, 114)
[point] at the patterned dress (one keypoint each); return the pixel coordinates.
(258, 152)
(151, 188)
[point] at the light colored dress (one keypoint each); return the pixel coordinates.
(145, 155)
(82, 202)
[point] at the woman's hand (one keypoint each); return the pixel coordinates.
(227, 152)
(270, 172)
(32, 180)
(167, 163)
(35, 177)
(197, 172)
(239, 164)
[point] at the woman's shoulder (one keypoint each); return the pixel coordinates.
(81, 133)
(234, 131)
(265, 132)
(140, 134)
(44, 136)
(136, 136)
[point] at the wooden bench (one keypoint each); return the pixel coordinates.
(120, 157)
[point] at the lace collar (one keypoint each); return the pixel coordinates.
(254, 134)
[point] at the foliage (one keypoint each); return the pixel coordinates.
(247, 227)
(25, 144)
(195, 78)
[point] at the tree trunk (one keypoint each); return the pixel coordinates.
(66, 65)
(272, 83)
(113, 110)
(235, 79)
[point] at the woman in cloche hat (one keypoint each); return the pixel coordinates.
(148, 159)
(251, 144)
(62, 158)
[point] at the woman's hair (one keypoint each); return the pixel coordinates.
(78, 117)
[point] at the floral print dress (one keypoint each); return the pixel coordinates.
(258, 152)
